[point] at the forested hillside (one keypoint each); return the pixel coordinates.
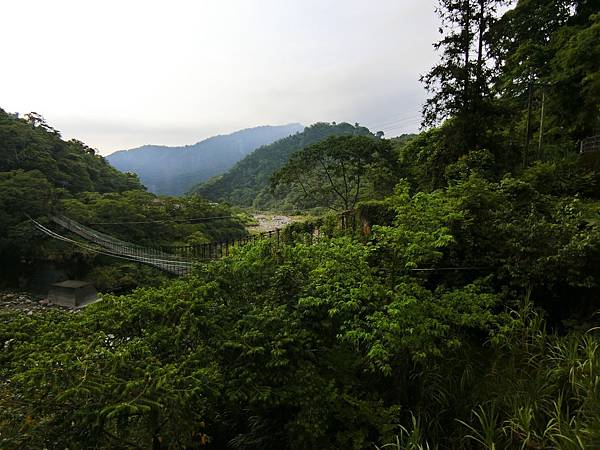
(174, 170)
(454, 304)
(31, 144)
(41, 175)
(248, 182)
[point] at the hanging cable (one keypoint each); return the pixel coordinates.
(191, 220)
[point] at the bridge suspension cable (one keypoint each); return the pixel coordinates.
(177, 260)
(174, 266)
(191, 220)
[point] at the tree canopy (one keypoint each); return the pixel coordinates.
(336, 171)
(460, 313)
(41, 175)
(248, 182)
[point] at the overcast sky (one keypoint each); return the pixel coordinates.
(119, 74)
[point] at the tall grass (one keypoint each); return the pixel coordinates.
(535, 390)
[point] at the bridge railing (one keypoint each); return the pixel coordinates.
(179, 259)
(215, 250)
(591, 144)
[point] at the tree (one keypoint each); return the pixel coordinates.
(547, 60)
(37, 120)
(523, 48)
(462, 74)
(575, 78)
(333, 172)
(459, 84)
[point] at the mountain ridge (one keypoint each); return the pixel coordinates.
(173, 170)
(247, 182)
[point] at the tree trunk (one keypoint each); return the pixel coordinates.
(482, 26)
(528, 128)
(467, 49)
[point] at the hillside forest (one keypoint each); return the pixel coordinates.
(446, 296)
(42, 175)
(175, 170)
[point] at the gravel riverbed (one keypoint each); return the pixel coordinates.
(27, 303)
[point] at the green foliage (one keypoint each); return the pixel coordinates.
(481, 162)
(577, 65)
(111, 276)
(328, 342)
(562, 177)
(528, 93)
(70, 165)
(526, 238)
(21, 193)
(459, 85)
(266, 348)
(467, 319)
(248, 182)
(339, 171)
(375, 212)
(41, 175)
(145, 219)
(175, 170)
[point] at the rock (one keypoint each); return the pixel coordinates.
(44, 302)
(29, 313)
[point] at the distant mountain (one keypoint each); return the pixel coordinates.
(247, 183)
(175, 170)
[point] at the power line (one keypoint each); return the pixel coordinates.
(399, 121)
(402, 125)
(409, 115)
(444, 269)
(196, 219)
(400, 128)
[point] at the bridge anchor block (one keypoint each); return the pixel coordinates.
(73, 293)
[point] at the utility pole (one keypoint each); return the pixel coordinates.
(528, 132)
(541, 124)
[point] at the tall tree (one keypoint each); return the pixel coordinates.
(335, 172)
(523, 48)
(575, 76)
(459, 83)
(547, 55)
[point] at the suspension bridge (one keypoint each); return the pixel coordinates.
(177, 260)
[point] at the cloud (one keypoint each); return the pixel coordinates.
(119, 74)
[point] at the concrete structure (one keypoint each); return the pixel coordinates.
(73, 293)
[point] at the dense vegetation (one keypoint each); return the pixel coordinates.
(30, 144)
(338, 172)
(248, 183)
(460, 312)
(340, 343)
(175, 170)
(41, 174)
